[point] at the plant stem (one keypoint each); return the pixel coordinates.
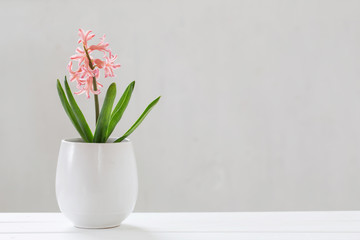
(96, 98)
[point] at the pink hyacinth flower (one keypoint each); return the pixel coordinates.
(101, 46)
(87, 87)
(99, 63)
(74, 75)
(110, 66)
(80, 56)
(85, 36)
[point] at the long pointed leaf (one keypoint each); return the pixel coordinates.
(100, 135)
(120, 108)
(78, 114)
(68, 110)
(140, 119)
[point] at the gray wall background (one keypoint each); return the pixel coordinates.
(260, 107)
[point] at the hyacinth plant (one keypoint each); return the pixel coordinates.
(86, 77)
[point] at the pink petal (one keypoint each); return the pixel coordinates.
(99, 63)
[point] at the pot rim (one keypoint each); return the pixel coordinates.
(81, 141)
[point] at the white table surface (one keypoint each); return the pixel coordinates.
(161, 226)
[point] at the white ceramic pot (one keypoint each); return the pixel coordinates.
(96, 183)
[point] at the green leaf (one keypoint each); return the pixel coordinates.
(100, 135)
(69, 111)
(120, 108)
(78, 114)
(140, 119)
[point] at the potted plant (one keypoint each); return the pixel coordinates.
(96, 178)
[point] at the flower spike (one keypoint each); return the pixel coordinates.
(88, 67)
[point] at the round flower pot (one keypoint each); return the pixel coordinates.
(96, 183)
